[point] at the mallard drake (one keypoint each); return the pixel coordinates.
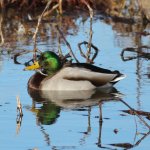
(57, 76)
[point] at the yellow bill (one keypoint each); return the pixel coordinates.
(34, 66)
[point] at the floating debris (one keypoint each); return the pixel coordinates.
(116, 131)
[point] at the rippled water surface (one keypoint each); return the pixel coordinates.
(52, 120)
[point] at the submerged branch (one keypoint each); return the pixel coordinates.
(60, 7)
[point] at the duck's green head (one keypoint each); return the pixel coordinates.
(48, 62)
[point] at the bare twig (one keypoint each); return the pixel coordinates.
(51, 10)
(1, 32)
(91, 31)
(18, 122)
(40, 19)
(88, 59)
(60, 7)
(137, 50)
(59, 45)
(19, 106)
(15, 57)
(67, 43)
(140, 140)
(37, 28)
(81, 52)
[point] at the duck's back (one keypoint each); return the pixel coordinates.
(79, 76)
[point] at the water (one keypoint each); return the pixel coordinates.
(50, 124)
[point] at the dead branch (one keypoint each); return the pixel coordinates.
(1, 32)
(37, 28)
(86, 56)
(64, 59)
(59, 44)
(15, 57)
(67, 43)
(18, 124)
(91, 31)
(19, 106)
(137, 50)
(51, 10)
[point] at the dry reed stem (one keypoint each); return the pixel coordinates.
(59, 45)
(67, 43)
(91, 31)
(19, 106)
(18, 121)
(19, 115)
(1, 32)
(51, 10)
(37, 28)
(60, 7)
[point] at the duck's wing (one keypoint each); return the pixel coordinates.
(87, 72)
(90, 67)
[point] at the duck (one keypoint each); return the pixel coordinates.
(53, 74)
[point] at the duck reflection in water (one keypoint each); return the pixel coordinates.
(53, 101)
(48, 113)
